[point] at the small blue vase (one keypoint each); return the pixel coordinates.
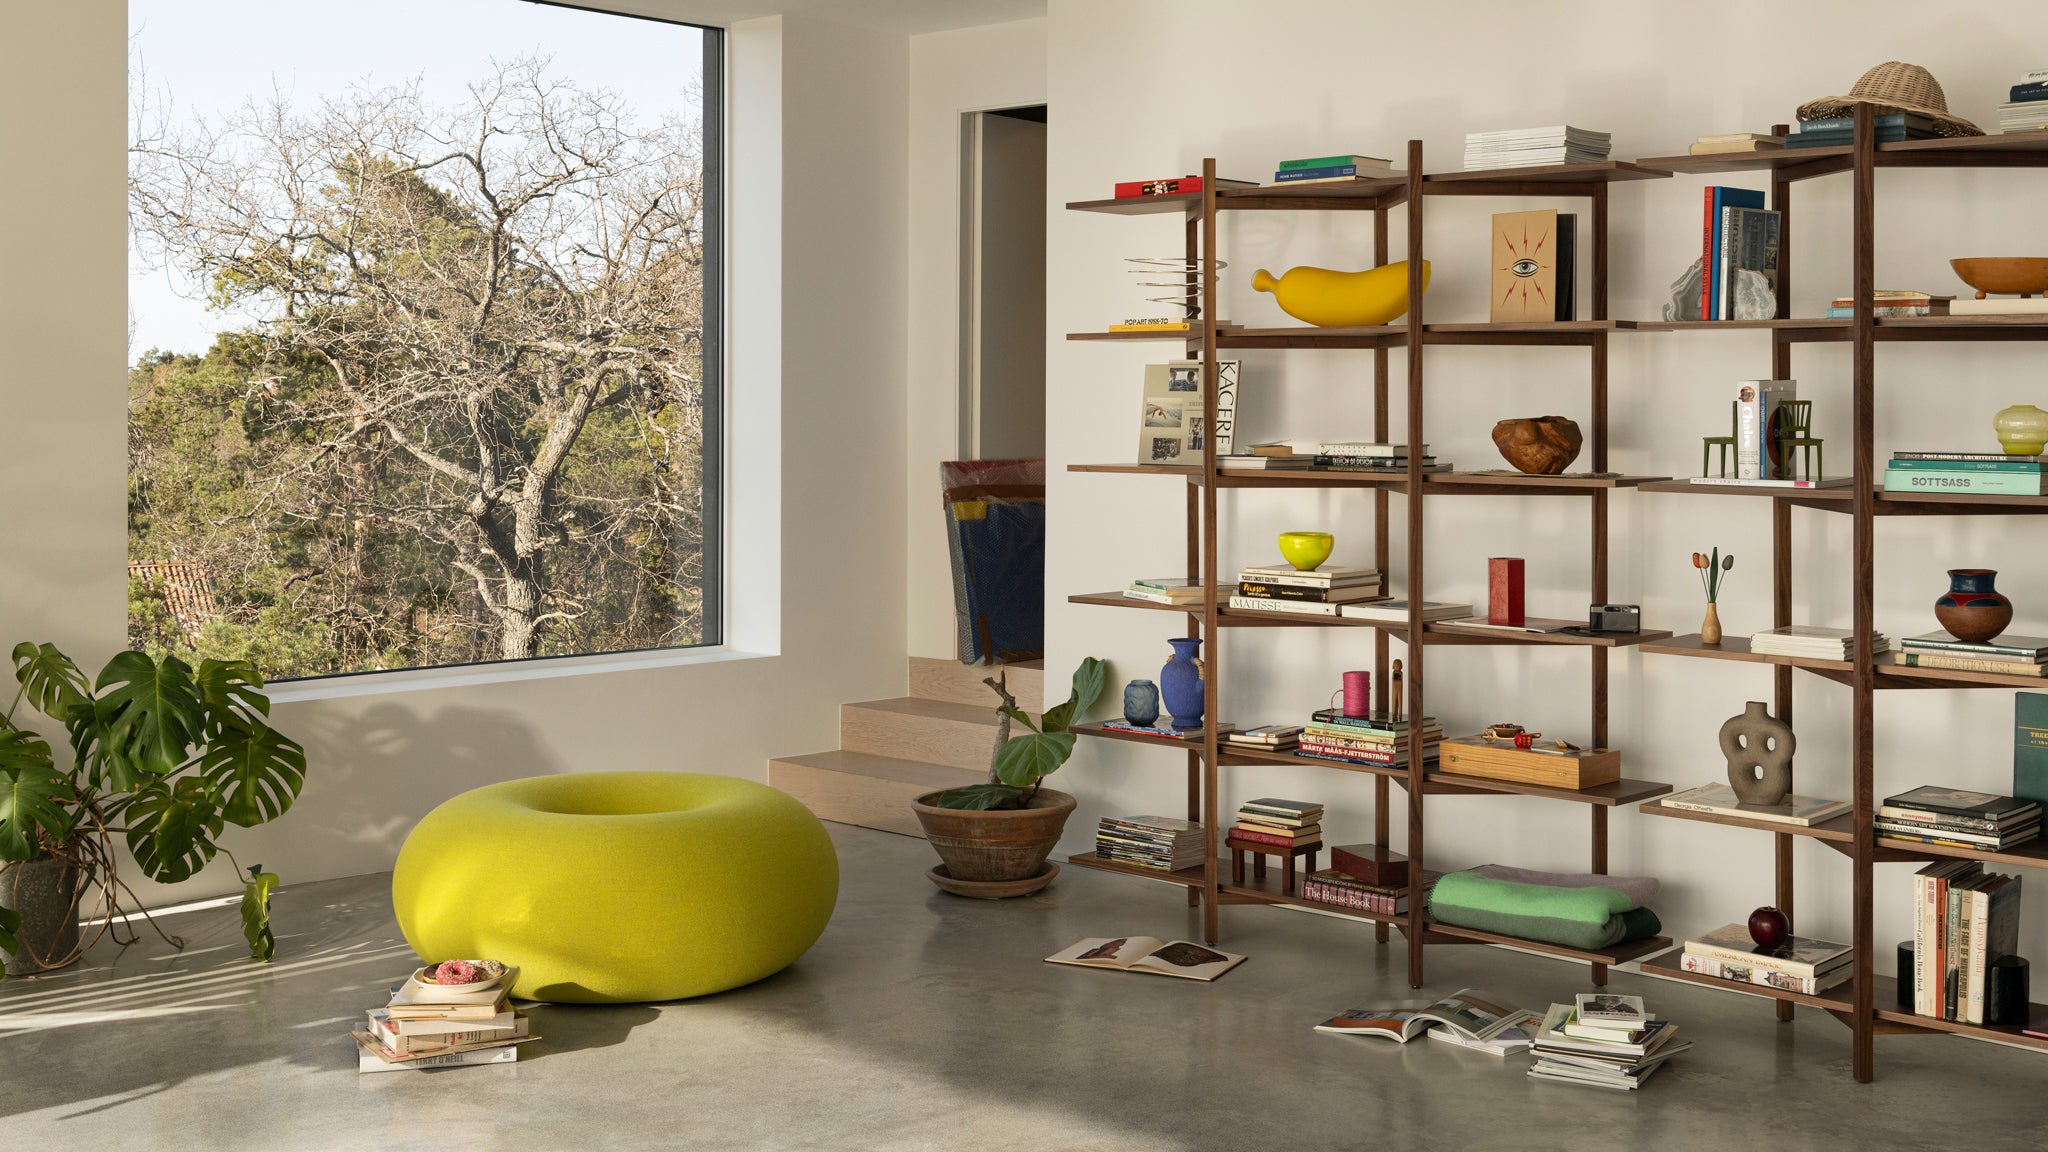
(1141, 703)
(1181, 683)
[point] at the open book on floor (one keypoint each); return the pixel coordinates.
(1182, 958)
(1471, 1015)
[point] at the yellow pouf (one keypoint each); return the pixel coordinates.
(610, 887)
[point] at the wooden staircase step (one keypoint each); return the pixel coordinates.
(932, 679)
(863, 789)
(913, 728)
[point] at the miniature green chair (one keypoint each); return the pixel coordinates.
(1725, 443)
(1795, 430)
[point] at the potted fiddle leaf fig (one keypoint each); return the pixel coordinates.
(994, 836)
(162, 755)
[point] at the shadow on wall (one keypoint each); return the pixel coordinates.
(376, 772)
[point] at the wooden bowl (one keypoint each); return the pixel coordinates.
(2005, 275)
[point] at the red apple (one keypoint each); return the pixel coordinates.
(1769, 928)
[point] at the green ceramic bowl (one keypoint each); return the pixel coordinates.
(1305, 550)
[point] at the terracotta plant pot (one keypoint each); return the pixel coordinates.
(1538, 445)
(995, 846)
(45, 893)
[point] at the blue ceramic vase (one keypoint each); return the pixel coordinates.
(1972, 610)
(1181, 683)
(1141, 703)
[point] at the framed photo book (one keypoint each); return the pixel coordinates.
(1174, 418)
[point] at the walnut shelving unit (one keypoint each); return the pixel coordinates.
(1406, 192)
(1867, 1004)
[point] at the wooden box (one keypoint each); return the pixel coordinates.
(1471, 756)
(1356, 861)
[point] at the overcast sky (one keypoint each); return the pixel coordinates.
(212, 55)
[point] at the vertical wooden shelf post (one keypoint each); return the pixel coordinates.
(1863, 340)
(1414, 580)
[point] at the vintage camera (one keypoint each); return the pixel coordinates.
(1614, 618)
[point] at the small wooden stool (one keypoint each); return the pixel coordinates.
(1259, 852)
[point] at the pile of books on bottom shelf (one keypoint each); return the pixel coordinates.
(1375, 740)
(1812, 642)
(429, 1024)
(1605, 1040)
(1964, 921)
(1158, 843)
(1800, 964)
(1931, 814)
(1333, 886)
(2002, 655)
(1271, 822)
(1966, 473)
(1322, 592)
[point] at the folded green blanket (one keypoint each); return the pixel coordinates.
(1620, 928)
(1591, 906)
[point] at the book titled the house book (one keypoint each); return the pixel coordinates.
(1182, 958)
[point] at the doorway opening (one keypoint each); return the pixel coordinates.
(1002, 284)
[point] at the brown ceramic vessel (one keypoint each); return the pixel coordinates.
(1538, 445)
(995, 845)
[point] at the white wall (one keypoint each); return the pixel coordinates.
(999, 66)
(817, 466)
(1253, 83)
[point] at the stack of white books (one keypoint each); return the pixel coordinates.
(1524, 147)
(1605, 1041)
(2027, 111)
(1813, 642)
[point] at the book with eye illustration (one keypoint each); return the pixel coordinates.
(1533, 254)
(1182, 958)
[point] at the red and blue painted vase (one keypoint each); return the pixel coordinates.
(1972, 610)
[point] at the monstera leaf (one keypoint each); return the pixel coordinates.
(232, 690)
(256, 913)
(1025, 759)
(31, 796)
(171, 829)
(50, 682)
(255, 773)
(150, 716)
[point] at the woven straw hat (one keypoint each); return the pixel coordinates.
(1895, 87)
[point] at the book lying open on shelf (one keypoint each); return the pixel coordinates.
(1182, 958)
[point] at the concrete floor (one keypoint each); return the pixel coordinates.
(926, 1022)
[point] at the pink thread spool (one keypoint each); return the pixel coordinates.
(1357, 693)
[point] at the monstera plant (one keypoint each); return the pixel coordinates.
(161, 755)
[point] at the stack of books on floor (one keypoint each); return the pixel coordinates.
(1813, 642)
(1728, 143)
(1604, 1040)
(1965, 920)
(1526, 147)
(1840, 131)
(1329, 170)
(1800, 964)
(1966, 473)
(1158, 843)
(1167, 590)
(1891, 304)
(1322, 592)
(1335, 886)
(2007, 654)
(1374, 740)
(434, 1022)
(1276, 823)
(1265, 738)
(2026, 109)
(1931, 814)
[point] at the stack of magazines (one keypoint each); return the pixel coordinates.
(1605, 1040)
(1158, 843)
(1813, 642)
(1523, 147)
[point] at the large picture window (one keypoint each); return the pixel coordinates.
(423, 313)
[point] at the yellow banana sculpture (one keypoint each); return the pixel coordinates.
(1331, 299)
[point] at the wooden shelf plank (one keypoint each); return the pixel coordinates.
(1840, 998)
(1191, 336)
(1446, 629)
(1617, 954)
(1840, 830)
(1305, 478)
(2006, 150)
(1903, 676)
(1893, 329)
(1119, 600)
(1840, 495)
(1737, 648)
(1192, 744)
(1937, 504)
(1490, 181)
(1186, 878)
(1441, 632)
(1623, 791)
(1380, 190)
(1183, 471)
(1517, 484)
(1180, 204)
(1817, 161)
(2010, 1033)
